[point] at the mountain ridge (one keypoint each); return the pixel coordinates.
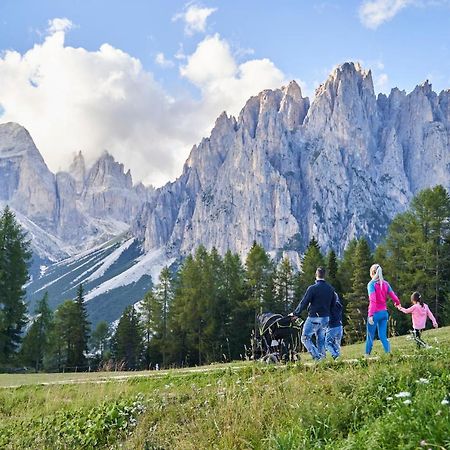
(285, 170)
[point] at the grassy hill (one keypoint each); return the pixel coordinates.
(387, 402)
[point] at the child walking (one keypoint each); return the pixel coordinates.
(419, 311)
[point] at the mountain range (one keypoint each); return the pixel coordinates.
(287, 169)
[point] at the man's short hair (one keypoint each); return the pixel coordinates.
(320, 272)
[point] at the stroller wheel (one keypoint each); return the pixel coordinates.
(271, 359)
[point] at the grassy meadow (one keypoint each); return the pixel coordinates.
(388, 402)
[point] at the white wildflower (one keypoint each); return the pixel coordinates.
(389, 399)
(407, 402)
(445, 401)
(423, 381)
(403, 394)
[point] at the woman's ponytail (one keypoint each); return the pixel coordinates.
(379, 274)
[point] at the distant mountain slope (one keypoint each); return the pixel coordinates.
(114, 275)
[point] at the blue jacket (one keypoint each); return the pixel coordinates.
(319, 299)
(336, 314)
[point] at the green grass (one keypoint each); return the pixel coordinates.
(241, 405)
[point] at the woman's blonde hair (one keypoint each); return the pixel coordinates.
(376, 270)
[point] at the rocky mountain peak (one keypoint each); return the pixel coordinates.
(107, 173)
(77, 170)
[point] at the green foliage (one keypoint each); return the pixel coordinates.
(127, 340)
(100, 337)
(356, 307)
(284, 287)
(14, 258)
(346, 405)
(37, 340)
(312, 259)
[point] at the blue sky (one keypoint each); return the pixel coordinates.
(403, 41)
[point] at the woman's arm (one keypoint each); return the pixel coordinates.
(393, 296)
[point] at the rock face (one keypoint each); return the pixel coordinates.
(286, 171)
(78, 208)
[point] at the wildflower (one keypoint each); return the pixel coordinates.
(403, 394)
(407, 402)
(423, 381)
(389, 399)
(445, 401)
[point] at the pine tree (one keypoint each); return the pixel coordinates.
(259, 275)
(312, 259)
(237, 328)
(332, 269)
(63, 337)
(357, 299)
(81, 331)
(100, 337)
(284, 286)
(151, 321)
(14, 258)
(164, 294)
(36, 341)
(347, 267)
(128, 339)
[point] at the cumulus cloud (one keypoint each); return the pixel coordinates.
(375, 12)
(59, 24)
(213, 69)
(194, 17)
(73, 99)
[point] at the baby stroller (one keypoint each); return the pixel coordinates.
(276, 338)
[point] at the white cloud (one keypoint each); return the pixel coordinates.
(194, 17)
(71, 99)
(162, 61)
(373, 13)
(59, 24)
(213, 69)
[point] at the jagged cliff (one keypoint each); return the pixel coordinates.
(287, 170)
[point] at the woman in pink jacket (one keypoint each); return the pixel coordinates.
(419, 311)
(379, 290)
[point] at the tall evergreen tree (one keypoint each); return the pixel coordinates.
(238, 325)
(81, 330)
(128, 339)
(36, 341)
(312, 259)
(357, 300)
(284, 287)
(164, 294)
(347, 267)
(63, 337)
(332, 268)
(14, 258)
(100, 337)
(259, 275)
(151, 320)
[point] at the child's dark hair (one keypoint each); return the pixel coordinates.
(417, 297)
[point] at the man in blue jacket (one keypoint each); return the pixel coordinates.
(319, 299)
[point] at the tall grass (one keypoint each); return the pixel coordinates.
(252, 406)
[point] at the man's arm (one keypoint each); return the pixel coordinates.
(306, 300)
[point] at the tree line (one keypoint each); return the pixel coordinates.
(205, 311)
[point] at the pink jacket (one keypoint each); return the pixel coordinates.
(419, 315)
(378, 296)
